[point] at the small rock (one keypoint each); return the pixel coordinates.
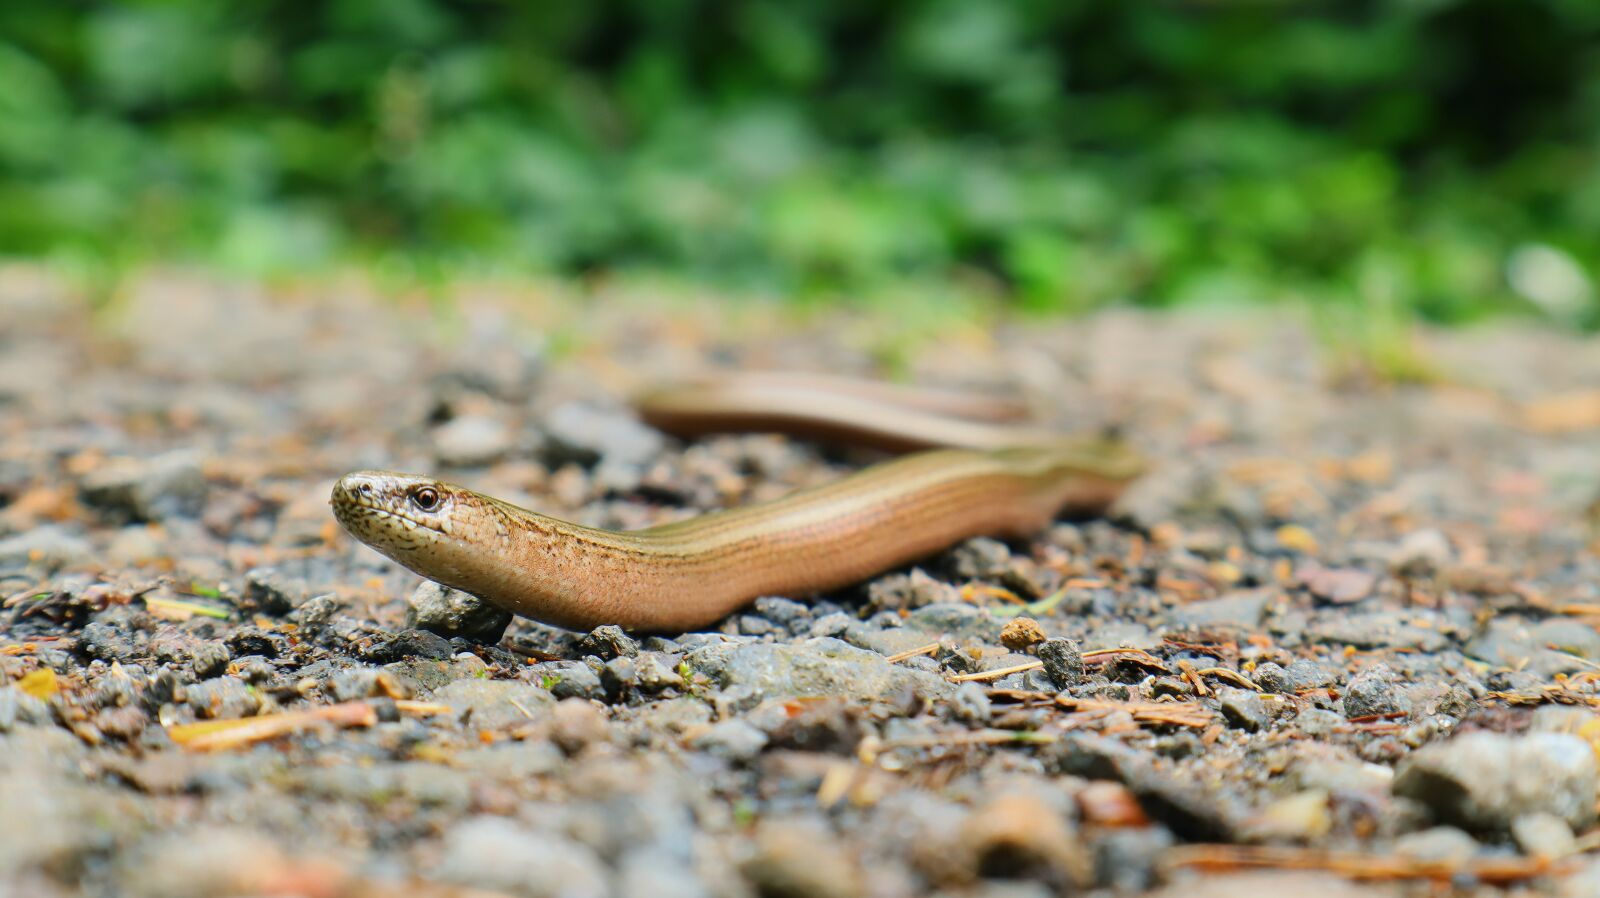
(732, 739)
(471, 440)
(814, 668)
(576, 680)
(1021, 633)
(315, 611)
(802, 860)
(1542, 834)
(607, 642)
(979, 559)
(576, 723)
(1441, 844)
(209, 659)
(223, 698)
(1338, 586)
(654, 675)
(1272, 678)
(1243, 710)
(1482, 781)
(785, 612)
(970, 703)
(49, 546)
(910, 590)
(1374, 693)
(412, 644)
(1421, 553)
(449, 613)
(494, 704)
(503, 855)
(575, 432)
(1243, 610)
(1020, 835)
(834, 624)
(618, 676)
(268, 591)
(1063, 662)
(129, 490)
(1307, 674)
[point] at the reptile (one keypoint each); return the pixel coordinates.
(987, 478)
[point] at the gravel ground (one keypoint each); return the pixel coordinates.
(1342, 640)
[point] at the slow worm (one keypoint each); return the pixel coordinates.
(998, 480)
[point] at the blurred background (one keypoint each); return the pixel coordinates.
(1405, 159)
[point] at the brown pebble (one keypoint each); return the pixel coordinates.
(1021, 634)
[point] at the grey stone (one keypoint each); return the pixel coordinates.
(813, 668)
(659, 874)
(17, 707)
(223, 698)
(575, 680)
(655, 674)
(607, 642)
(1542, 834)
(130, 490)
(575, 432)
(1373, 693)
(779, 610)
(449, 613)
(471, 440)
(834, 624)
(209, 659)
(1063, 662)
(1243, 610)
(1421, 553)
(268, 591)
(1272, 678)
(1443, 844)
(315, 611)
(970, 703)
(1307, 674)
(494, 704)
(49, 546)
(496, 853)
(1243, 710)
(735, 740)
(1482, 781)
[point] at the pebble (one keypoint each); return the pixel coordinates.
(735, 740)
(1243, 710)
(576, 724)
(504, 855)
(494, 704)
(1421, 553)
(1021, 633)
(130, 490)
(814, 668)
(268, 591)
(970, 704)
(1482, 781)
(49, 546)
(585, 434)
(470, 441)
(654, 674)
(1542, 834)
(209, 659)
(1063, 662)
(1374, 693)
(1440, 844)
(449, 613)
(607, 642)
(793, 859)
(1243, 610)
(574, 680)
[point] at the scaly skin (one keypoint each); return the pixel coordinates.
(692, 573)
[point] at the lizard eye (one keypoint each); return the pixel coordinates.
(425, 498)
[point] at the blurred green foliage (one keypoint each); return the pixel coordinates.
(1436, 157)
